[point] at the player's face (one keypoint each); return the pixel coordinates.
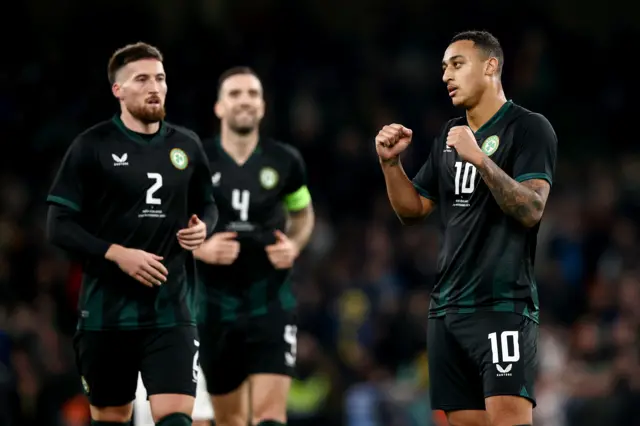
(142, 88)
(240, 103)
(465, 73)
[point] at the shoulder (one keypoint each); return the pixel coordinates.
(525, 120)
(183, 132)
(93, 137)
(281, 151)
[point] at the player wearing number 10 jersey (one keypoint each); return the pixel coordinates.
(127, 202)
(489, 173)
(248, 332)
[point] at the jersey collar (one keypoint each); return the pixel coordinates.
(159, 136)
(496, 118)
(217, 141)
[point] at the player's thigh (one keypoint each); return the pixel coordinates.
(169, 369)
(504, 346)
(269, 394)
(455, 382)
(223, 356)
(108, 363)
(272, 348)
(232, 408)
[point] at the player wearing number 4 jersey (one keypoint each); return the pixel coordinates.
(127, 201)
(248, 332)
(489, 173)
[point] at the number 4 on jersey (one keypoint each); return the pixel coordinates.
(240, 202)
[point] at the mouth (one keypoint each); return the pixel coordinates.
(245, 113)
(153, 101)
(452, 90)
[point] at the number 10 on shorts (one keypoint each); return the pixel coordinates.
(509, 347)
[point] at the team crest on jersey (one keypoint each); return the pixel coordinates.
(490, 145)
(268, 178)
(179, 159)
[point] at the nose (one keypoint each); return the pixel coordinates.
(446, 76)
(154, 86)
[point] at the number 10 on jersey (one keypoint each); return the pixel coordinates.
(465, 180)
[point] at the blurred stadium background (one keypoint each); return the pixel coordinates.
(334, 72)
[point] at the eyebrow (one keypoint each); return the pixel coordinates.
(453, 58)
(146, 74)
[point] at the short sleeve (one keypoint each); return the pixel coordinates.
(201, 200)
(426, 180)
(202, 184)
(296, 192)
(68, 187)
(537, 146)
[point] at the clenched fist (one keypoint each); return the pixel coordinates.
(191, 237)
(461, 138)
(392, 140)
(283, 253)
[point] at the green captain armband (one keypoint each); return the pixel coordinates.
(298, 200)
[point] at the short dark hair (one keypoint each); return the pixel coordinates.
(238, 70)
(131, 53)
(484, 41)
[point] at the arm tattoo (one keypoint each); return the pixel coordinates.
(391, 162)
(523, 201)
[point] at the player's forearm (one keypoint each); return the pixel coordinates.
(302, 224)
(210, 217)
(403, 196)
(515, 199)
(65, 232)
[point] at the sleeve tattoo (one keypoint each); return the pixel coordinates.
(524, 201)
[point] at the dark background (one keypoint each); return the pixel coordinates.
(334, 72)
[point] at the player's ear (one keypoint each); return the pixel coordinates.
(261, 109)
(491, 67)
(218, 110)
(116, 89)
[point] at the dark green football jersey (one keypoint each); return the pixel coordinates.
(253, 200)
(486, 260)
(137, 193)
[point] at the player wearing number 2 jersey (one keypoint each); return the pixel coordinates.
(489, 173)
(127, 202)
(248, 332)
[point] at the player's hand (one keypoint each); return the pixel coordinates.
(221, 249)
(191, 237)
(138, 264)
(461, 138)
(392, 140)
(283, 253)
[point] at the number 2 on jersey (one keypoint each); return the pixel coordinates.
(153, 188)
(468, 183)
(240, 202)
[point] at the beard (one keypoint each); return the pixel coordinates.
(242, 128)
(147, 114)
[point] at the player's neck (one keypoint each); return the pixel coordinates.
(239, 147)
(138, 126)
(489, 105)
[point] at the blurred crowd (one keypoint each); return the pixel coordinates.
(334, 74)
